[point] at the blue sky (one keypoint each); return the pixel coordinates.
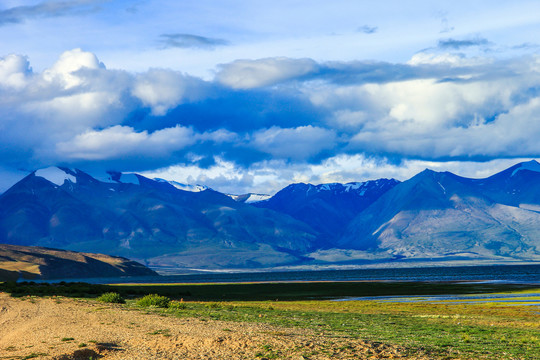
(253, 95)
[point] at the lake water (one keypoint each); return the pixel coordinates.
(519, 299)
(519, 274)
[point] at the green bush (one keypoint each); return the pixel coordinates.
(154, 300)
(112, 297)
(177, 305)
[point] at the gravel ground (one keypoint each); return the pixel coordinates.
(64, 329)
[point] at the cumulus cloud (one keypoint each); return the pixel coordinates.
(163, 89)
(14, 71)
(191, 41)
(249, 74)
(77, 105)
(64, 71)
(47, 9)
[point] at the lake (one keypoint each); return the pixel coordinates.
(519, 274)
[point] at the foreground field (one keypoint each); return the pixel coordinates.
(75, 329)
(56, 327)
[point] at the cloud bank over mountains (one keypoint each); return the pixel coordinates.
(287, 111)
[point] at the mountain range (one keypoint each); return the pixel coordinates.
(434, 217)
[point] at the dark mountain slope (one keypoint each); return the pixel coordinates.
(327, 208)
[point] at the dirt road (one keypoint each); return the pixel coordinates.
(46, 328)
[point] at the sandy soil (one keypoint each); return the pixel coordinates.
(42, 328)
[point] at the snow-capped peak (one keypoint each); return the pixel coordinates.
(56, 175)
(184, 187)
(532, 165)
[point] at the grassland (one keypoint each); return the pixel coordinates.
(497, 330)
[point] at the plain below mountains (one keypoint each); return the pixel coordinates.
(432, 217)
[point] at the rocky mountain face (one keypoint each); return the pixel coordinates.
(441, 216)
(434, 216)
(30, 262)
(147, 220)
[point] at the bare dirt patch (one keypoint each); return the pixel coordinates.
(64, 329)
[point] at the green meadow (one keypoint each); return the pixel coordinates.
(497, 329)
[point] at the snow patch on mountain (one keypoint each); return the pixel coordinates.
(249, 198)
(55, 175)
(257, 197)
(184, 187)
(532, 165)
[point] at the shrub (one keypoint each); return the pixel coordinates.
(177, 305)
(111, 297)
(154, 300)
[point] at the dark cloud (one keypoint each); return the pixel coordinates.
(459, 44)
(366, 29)
(19, 14)
(236, 111)
(191, 41)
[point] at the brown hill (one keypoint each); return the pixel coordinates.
(30, 262)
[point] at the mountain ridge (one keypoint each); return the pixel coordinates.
(145, 219)
(431, 217)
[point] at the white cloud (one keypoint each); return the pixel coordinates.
(451, 59)
(268, 177)
(249, 74)
(509, 134)
(64, 71)
(220, 136)
(14, 70)
(298, 143)
(164, 89)
(72, 113)
(122, 141)
(224, 176)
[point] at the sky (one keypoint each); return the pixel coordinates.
(252, 95)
